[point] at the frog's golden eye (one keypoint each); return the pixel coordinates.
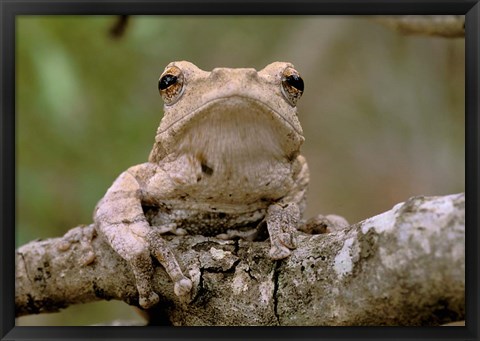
(170, 85)
(292, 85)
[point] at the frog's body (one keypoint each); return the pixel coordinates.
(226, 158)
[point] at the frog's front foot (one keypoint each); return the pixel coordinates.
(281, 223)
(161, 251)
(143, 270)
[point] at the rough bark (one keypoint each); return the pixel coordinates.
(402, 267)
(448, 26)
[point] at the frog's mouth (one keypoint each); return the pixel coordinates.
(234, 125)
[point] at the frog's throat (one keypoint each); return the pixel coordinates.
(252, 117)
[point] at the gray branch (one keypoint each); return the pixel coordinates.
(403, 267)
(448, 26)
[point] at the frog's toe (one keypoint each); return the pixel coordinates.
(149, 301)
(288, 240)
(279, 252)
(183, 287)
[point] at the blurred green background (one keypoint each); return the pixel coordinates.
(383, 113)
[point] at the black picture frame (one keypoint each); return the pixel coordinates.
(10, 9)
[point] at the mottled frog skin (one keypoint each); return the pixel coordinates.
(226, 159)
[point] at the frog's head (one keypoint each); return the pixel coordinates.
(241, 111)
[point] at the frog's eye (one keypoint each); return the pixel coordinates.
(170, 85)
(292, 85)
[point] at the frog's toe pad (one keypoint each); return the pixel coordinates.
(279, 252)
(183, 287)
(150, 301)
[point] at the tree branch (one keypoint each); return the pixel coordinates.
(448, 26)
(402, 267)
